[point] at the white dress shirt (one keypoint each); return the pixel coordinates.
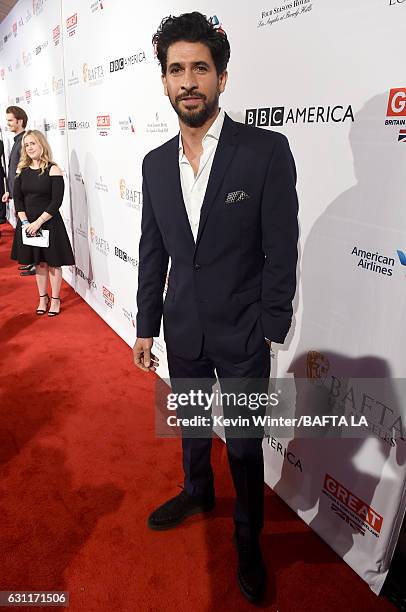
(194, 187)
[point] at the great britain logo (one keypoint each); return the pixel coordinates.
(396, 111)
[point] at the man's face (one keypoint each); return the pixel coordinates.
(191, 82)
(13, 124)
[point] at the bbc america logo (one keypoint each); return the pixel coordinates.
(125, 257)
(124, 62)
(278, 115)
(265, 116)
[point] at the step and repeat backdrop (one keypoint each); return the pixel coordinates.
(330, 76)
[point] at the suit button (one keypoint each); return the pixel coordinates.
(197, 266)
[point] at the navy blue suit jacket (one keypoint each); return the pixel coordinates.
(235, 285)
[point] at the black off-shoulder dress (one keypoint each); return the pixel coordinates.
(35, 193)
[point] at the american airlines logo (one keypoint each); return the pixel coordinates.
(402, 257)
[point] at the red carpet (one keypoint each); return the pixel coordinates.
(81, 469)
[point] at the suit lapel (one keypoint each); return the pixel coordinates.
(224, 153)
(171, 175)
(174, 190)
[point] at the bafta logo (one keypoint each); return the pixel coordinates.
(122, 188)
(317, 366)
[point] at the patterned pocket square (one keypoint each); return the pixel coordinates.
(236, 196)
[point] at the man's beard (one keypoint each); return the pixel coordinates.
(192, 118)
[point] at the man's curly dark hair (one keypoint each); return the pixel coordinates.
(191, 27)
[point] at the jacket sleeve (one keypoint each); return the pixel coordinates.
(57, 191)
(152, 269)
(7, 166)
(2, 162)
(18, 196)
(279, 242)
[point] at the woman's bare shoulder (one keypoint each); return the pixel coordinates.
(55, 171)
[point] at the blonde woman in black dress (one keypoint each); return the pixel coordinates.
(38, 195)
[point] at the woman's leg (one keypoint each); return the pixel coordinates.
(41, 276)
(55, 276)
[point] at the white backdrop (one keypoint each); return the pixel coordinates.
(323, 73)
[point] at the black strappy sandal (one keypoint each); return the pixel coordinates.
(52, 313)
(41, 311)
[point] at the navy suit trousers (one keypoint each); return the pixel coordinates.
(245, 454)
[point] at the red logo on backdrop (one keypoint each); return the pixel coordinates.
(2, 74)
(107, 294)
(103, 120)
(15, 28)
(397, 102)
(108, 297)
(353, 503)
(71, 23)
(61, 124)
(56, 33)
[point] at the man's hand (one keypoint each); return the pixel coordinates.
(269, 342)
(33, 227)
(143, 358)
(6, 196)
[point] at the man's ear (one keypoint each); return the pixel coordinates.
(163, 79)
(222, 81)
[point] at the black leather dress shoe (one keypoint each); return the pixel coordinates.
(27, 267)
(176, 509)
(30, 272)
(251, 572)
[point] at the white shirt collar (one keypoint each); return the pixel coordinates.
(213, 132)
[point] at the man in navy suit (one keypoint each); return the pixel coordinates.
(219, 200)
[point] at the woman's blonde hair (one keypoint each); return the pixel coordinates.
(46, 155)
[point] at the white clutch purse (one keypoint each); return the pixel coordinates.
(40, 240)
